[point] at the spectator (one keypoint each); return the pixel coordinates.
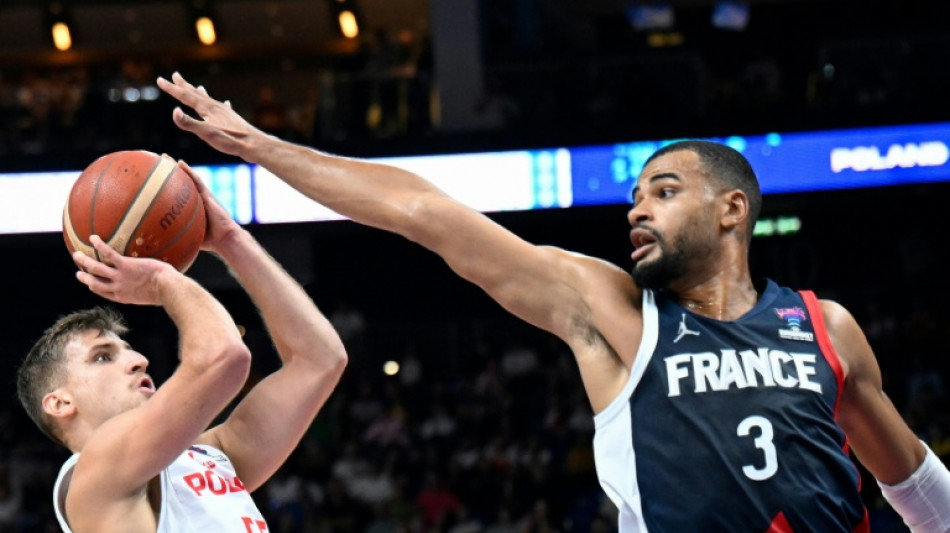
(436, 501)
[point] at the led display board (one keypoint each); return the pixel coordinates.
(520, 180)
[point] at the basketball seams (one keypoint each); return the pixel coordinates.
(92, 205)
(142, 203)
(74, 239)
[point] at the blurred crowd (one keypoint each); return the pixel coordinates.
(381, 92)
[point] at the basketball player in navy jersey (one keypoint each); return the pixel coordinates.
(720, 404)
(144, 459)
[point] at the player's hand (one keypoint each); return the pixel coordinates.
(125, 280)
(220, 224)
(219, 125)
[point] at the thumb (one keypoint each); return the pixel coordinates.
(182, 120)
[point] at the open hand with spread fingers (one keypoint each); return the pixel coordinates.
(218, 124)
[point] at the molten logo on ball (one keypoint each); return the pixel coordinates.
(181, 200)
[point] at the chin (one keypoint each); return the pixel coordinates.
(134, 403)
(644, 274)
(654, 275)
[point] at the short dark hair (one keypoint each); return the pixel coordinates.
(42, 369)
(726, 165)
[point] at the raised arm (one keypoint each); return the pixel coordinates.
(542, 285)
(880, 438)
(124, 453)
(268, 423)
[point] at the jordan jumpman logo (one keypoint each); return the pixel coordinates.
(683, 330)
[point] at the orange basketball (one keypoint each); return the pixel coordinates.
(141, 204)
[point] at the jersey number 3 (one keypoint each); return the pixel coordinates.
(762, 442)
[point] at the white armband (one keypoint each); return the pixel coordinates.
(923, 499)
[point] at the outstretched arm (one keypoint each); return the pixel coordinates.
(542, 285)
(912, 478)
(124, 453)
(268, 423)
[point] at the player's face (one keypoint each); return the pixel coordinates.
(105, 377)
(671, 219)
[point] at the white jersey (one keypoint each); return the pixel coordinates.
(614, 454)
(200, 492)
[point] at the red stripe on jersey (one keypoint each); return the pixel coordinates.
(779, 525)
(824, 342)
(828, 350)
(865, 525)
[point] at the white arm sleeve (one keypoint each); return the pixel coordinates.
(923, 499)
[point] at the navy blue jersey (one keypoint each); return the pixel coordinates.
(730, 426)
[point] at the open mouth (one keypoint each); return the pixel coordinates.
(643, 241)
(146, 384)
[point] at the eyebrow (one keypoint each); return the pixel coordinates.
(657, 177)
(107, 342)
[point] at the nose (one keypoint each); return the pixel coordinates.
(137, 363)
(638, 213)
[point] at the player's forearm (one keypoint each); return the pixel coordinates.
(923, 499)
(370, 193)
(208, 335)
(297, 327)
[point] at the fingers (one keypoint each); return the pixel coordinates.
(100, 265)
(187, 168)
(84, 262)
(177, 88)
(97, 275)
(188, 123)
(180, 80)
(100, 286)
(183, 121)
(186, 93)
(106, 253)
(199, 183)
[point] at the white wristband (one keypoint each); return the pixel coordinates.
(923, 499)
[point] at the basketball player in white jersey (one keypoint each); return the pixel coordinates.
(680, 322)
(144, 459)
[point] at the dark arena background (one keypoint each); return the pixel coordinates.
(485, 426)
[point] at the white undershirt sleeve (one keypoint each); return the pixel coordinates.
(923, 499)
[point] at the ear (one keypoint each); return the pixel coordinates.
(735, 210)
(59, 404)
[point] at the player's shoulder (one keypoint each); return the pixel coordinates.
(846, 336)
(835, 315)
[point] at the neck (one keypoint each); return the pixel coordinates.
(723, 297)
(727, 308)
(75, 437)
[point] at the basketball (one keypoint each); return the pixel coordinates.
(141, 204)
